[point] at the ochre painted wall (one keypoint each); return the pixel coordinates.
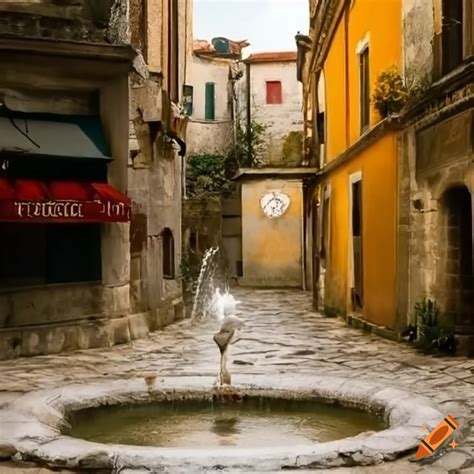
(368, 20)
(380, 23)
(365, 23)
(272, 248)
(334, 73)
(378, 167)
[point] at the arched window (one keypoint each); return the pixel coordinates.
(168, 254)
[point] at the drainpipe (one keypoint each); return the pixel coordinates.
(249, 117)
(346, 71)
(235, 122)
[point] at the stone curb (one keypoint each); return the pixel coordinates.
(31, 425)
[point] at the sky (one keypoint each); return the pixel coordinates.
(268, 25)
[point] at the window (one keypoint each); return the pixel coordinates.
(168, 254)
(210, 106)
(364, 90)
(274, 92)
(452, 35)
(38, 254)
(173, 50)
(321, 123)
(188, 100)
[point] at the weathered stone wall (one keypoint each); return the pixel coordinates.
(216, 70)
(134, 297)
(54, 318)
(96, 21)
(284, 122)
(155, 171)
(202, 226)
(434, 160)
(210, 137)
(418, 32)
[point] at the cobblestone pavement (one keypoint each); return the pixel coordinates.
(282, 335)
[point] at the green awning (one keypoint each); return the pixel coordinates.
(47, 135)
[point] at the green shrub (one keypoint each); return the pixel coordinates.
(330, 311)
(433, 333)
(206, 175)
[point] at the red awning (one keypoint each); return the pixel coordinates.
(27, 201)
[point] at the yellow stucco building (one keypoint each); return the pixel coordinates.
(273, 230)
(355, 201)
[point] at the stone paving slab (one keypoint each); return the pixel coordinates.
(282, 335)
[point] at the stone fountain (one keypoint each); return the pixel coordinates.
(208, 303)
(228, 333)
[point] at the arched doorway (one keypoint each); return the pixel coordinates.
(456, 259)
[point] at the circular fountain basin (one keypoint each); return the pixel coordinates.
(205, 424)
(35, 425)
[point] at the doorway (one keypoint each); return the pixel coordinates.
(357, 293)
(456, 262)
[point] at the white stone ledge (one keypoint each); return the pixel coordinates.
(31, 425)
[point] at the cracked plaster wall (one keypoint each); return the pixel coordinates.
(210, 136)
(422, 216)
(96, 21)
(155, 173)
(280, 119)
(134, 297)
(418, 32)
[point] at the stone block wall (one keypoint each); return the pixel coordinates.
(283, 135)
(202, 227)
(93, 21)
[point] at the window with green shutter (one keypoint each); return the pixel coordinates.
(210, 112)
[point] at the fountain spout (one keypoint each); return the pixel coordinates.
(227, 335)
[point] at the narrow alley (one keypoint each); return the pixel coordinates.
(282, 337)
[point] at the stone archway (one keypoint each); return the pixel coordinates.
(455, 267)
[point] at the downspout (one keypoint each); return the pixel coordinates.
(303, 236)
(249, 117)
(185, 73)
(235, 122)
(346, 71)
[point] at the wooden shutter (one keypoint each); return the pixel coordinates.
(274, 95)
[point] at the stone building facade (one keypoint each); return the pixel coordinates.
(270, 95)
(355, 148)
(210, 221)
(162, 31)
(436, 165)
(273, 194)
(426, 194)
(77, 78)
(211, 74)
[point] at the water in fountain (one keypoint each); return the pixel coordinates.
(212, 268)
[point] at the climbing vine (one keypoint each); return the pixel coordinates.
(210, 174)
(206, 175)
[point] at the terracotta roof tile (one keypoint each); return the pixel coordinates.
(278, 57)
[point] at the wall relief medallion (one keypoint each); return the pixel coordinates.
(274, 204)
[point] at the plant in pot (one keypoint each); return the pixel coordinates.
(390, 93)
